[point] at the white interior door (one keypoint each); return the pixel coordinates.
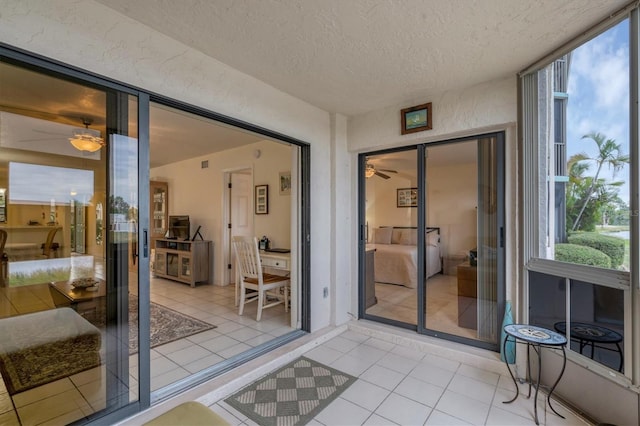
(240, 214)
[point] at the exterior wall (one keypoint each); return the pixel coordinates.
(487, 107)
(468, 111)
(93, 37)
(342, 224)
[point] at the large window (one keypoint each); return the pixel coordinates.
(577, 181)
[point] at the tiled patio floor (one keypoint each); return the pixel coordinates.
(405, 386)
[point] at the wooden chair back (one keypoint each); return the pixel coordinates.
(46, 248)
(248, 258)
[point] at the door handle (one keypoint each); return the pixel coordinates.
(145, 244)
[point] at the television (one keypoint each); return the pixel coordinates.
(179, 227)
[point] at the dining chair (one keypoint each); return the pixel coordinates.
(251, 277)
(49, 246)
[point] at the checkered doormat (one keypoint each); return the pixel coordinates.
(292, 395)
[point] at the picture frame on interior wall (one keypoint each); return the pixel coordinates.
(285, 183)
(416, 118)
(262, 199)
(407, 197)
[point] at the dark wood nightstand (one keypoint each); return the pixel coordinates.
(467, 296)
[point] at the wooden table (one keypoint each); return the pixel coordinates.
(79, 299)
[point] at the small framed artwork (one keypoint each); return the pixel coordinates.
(262, 199)
(407, 197)
(416, 119)
(285, 183)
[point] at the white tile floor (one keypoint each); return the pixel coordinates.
(233, 333)
(404, 386)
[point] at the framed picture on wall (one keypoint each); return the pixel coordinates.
(407, 197)
(285, 183)
(262, 199)
(416, 119)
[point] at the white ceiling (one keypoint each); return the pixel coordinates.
(353, 56)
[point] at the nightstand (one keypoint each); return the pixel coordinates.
(467, 296)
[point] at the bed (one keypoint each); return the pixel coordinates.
(396, 254)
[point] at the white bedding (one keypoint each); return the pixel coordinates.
(398, 263)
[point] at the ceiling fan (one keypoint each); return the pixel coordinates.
(370, 171)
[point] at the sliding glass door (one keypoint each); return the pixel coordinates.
(69, 176)
(463, 290)
(432, 255)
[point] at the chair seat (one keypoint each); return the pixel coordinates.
(267, 279)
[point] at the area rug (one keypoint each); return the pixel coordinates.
(292, 395)
(166, 324)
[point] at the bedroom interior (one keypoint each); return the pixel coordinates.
(451, 237)
(193, 328)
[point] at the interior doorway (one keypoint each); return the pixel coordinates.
(240, 212)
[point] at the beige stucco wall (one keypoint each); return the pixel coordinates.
(469, 111)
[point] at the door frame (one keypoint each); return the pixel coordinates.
(421, 328)
(226, 218)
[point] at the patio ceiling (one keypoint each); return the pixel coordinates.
(356, 56)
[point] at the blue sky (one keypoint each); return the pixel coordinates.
(599, 96)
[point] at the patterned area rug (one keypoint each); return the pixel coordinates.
(166, 324)
(292, 395)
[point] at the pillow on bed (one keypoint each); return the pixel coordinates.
(396, 235)
(433, 238)
(409, 237)
(382, 235)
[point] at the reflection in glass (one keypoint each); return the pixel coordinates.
(56, 304)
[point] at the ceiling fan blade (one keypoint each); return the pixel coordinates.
(382, 175)
(387, 170)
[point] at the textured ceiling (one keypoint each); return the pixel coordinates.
(353, 56)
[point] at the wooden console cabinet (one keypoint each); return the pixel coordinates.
(184, 261)
(467, 296)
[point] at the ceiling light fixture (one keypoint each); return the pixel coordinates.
(369, 170)
(86, 139)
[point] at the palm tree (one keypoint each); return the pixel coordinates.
(609, 153)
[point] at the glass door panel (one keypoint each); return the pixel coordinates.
(461, 253)
(391, 252)
(58, 269)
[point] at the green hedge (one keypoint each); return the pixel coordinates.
(582, 255)
(611, 246)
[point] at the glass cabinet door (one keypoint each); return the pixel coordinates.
(160, 264)
(159, 209)
(185, 267)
